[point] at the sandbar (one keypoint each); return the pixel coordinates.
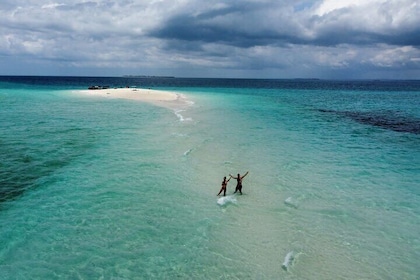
(157, 97)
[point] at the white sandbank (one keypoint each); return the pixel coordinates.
(157, 97)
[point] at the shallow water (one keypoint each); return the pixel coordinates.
(95, 187)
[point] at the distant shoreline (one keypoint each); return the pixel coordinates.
(280, 79)
(148, 77)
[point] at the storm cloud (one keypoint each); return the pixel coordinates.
(259, 39)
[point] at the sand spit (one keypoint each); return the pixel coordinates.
(157, 97)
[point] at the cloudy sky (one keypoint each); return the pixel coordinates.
(330, 39)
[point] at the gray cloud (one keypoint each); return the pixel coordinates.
(320, 38)
(255, 24)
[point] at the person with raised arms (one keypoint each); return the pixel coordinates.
(224, 186)
(239, 181)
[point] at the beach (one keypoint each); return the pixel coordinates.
(157, 97)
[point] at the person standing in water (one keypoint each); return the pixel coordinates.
(239, 181)
(224, 185)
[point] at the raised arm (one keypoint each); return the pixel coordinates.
(232, 177)
(245, 174)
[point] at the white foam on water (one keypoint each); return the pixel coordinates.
(186, 100)
(288, 260)
(291, 202)
(187, 152)
(225, 200)
(179, 134)
(180, 116)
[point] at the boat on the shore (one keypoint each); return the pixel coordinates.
(98, 87)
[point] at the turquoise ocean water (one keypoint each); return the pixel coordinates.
(98, 188)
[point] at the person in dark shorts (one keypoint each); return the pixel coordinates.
(224, 186)
(239, 181)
